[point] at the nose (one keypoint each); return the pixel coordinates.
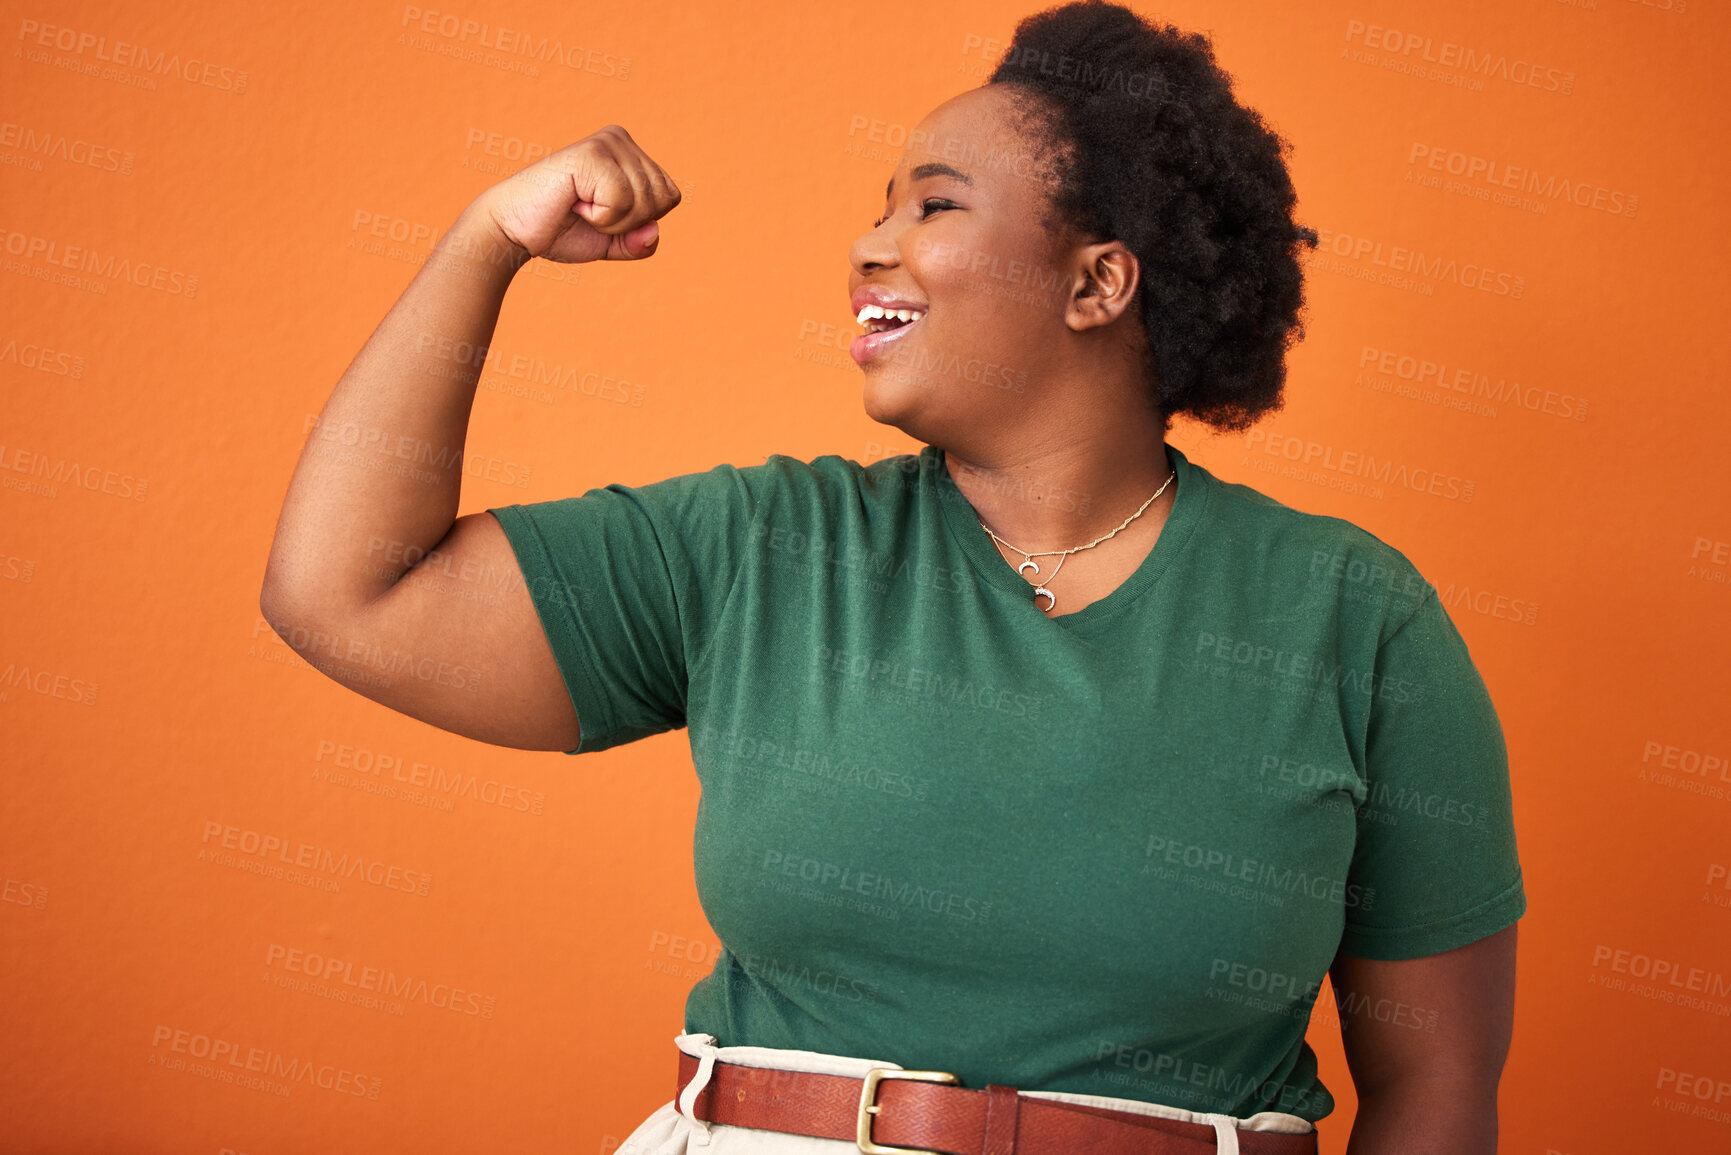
(873, 250)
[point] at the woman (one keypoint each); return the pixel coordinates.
(1044, 758)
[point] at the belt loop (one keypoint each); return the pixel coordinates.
(1225, 1134)
(1003, 1105)
(688, 1097)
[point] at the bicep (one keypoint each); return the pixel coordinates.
(457, 643)
(1445, 1017)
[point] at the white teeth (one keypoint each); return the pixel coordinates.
(877, 313)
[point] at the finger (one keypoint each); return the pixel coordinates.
(604, 185)
(668, 195)
(646, 205)
(659, 193)
(628, 159)
(659, 184)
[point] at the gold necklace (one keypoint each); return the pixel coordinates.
(1028, 558)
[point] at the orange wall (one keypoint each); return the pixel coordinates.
(145, 699)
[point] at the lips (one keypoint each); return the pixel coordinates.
(884, 298)
(869, 345)
(887, 316)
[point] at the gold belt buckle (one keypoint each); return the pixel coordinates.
(868, 1108)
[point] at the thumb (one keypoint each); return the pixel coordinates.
(640, 242)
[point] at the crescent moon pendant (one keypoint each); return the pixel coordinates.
(1025, 565)
(1048, 593)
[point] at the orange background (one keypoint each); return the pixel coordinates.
(145, 699)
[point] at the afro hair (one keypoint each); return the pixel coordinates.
(1152, 150)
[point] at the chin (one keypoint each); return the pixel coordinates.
(911, 423)
(888, 405)
(877, 406)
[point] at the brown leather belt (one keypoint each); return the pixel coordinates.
(894, 1112)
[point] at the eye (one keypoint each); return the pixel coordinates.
(926, 209)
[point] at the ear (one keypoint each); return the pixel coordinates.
(1106, 277)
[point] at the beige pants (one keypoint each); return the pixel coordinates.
(669, 1132)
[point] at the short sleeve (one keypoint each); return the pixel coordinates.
(1435, 864)
(626, 581)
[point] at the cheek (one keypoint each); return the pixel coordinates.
(947, 267)
(990, 286)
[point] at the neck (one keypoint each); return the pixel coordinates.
(1056, 491)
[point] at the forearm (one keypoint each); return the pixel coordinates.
(1425, 1118)
(381, 471)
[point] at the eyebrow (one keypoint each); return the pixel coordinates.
(922, 171)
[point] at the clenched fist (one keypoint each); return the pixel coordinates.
(597, 199)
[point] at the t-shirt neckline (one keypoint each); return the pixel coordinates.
(965, 528)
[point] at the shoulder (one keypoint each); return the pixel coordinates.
(1330, 557)
(830, 477)
(780, 486)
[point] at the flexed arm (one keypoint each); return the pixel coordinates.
(335, 585)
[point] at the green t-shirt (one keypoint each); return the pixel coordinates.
(1111, 852)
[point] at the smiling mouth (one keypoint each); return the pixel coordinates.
(883, 330)
(876, 319)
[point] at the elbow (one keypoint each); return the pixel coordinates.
(275, 596)
(273, 606)
(283, 607)
(293, 594)
(303, 615)
(295, 619)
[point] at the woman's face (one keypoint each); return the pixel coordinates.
(962, 242)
